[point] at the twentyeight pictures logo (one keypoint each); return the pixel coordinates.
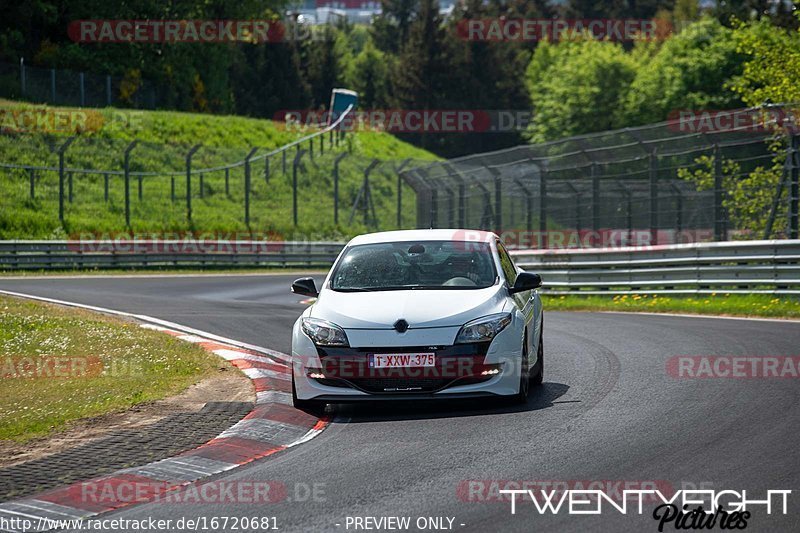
(685, 509)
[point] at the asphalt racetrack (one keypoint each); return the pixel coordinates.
(608, 411)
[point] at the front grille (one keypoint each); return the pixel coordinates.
(333, 383)
(347, 367)
(400, 385)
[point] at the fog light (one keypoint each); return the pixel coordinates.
(491, 372)
(315, 374)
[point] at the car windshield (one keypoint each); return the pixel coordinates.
(415, 265)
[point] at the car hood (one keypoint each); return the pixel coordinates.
(420, 308)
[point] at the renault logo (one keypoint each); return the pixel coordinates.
(401, 326)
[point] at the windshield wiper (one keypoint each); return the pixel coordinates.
(377, 289)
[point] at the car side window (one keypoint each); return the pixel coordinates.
(507, 264)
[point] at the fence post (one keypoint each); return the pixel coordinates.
(32, 179)
(528, 204)
(434, 208)
(719, 228)
(61, 150)
(462, 195)
(595, 203)
(322, 144)
(105, 186)
(108, 90)
(126, 167)
(366, 194)
(83, 89)
(311, 148)
(330, 140)
(678, 213)
(283, 154)
(628, 212)
(189, 155)
(653, 197)
(498, 201)
(295, 164)
(53, 85)
(266, 170)
(399, 169)
(172, 188)
(794, 188)
(69, 181)
(140, 178)
(543, 206)
(336, 187)
(227, 180)
(22, 79)
(247, 186)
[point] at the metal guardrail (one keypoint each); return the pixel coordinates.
(122, 254)
(699, 268)
(771, 267)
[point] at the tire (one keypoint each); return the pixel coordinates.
(305, 405)
(538, 376)
(521, 397)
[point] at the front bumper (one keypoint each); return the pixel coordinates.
(461, 371)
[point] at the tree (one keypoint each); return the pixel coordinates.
(369, 76)
(421, 73)
(391, 27)
(576, 86)
(772, 72)
(690, 71)
(325, 68)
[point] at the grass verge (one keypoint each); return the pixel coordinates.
(95, 204)
(746, 305)
(58, 365)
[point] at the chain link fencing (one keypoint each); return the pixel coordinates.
(700, 177)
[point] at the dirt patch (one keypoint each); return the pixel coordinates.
(227, 386)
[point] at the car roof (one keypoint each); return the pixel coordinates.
(459, 235)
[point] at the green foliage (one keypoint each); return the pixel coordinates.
(748, 196)
(772, 74)
(575, 86)
(125, 365)
(720, 303)
(369, 76)
(689, 71)
(165, 138)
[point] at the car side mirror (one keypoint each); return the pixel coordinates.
(526, 281)
(305, 287)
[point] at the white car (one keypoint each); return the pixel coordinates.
(419, 314)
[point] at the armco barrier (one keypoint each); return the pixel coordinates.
(699, 268)
(82, 255)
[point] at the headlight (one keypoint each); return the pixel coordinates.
(324, 333)
(483, 329)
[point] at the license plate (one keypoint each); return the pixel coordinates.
(401, 360)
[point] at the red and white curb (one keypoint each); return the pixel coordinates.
(273, 425)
